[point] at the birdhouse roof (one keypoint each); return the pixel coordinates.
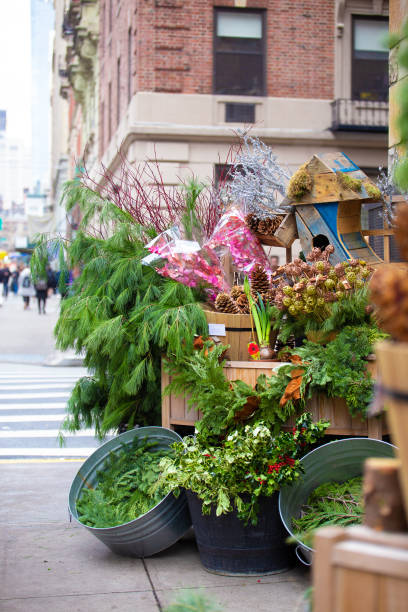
(330, 177)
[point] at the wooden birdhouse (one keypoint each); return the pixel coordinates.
(328, 192)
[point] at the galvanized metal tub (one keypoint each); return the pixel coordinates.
(152, 532)
(338, 461)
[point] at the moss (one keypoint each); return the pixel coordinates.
(348, 182)
(372, 191)
(300, 183)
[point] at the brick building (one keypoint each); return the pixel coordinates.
(177, 78)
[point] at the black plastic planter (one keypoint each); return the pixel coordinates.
(227, 546)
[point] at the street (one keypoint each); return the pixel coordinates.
(33, 396)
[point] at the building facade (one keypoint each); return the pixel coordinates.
(177, 78)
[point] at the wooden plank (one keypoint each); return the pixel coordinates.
(364, 253)
(353, 240)
(375, 559)
(287, 231)
(392, 594)
(165, 399)
(304, 234)
(323, 573)
(317, 166)
(316, 225)
(354, 591)
(378, 232)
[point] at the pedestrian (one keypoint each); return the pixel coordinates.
(14, 280)
(5, 277)
(41, 289)
(52, 279)
(25, 286)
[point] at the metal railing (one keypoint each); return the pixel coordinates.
(359, 115)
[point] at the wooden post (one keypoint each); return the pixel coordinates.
(383, 505)
(323, 570)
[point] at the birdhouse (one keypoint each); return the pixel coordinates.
(327, 192)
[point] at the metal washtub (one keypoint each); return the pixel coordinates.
(152, 532)
(336, 461)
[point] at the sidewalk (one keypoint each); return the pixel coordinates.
(27, 337)
(51, 564)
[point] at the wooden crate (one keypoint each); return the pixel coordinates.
(360, 570)
(175, 410)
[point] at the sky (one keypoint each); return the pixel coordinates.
(15, 67)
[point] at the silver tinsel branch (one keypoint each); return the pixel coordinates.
(386, 184)
(258, 181)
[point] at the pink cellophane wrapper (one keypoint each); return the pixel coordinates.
(232, 233)
(187, 263)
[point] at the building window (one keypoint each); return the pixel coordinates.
(109, 111)
(118, 91)
(129, 64)
(370, 59)
(239, 52)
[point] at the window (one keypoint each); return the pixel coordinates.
(239, 52)
(129, 64)
(118, 91)
(241, 113)
(370, 59)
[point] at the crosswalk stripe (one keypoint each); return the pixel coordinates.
(10, 396)
(47, 452)
(44, 433)
(34, 406)
(21, 418)
(35, 386)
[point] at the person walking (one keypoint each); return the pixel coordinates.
(41, 289)
(25, 286)
(14, 280)
(5, 277)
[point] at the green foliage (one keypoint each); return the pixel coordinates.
(193, 601)
(121, 314)
(123, 490)
(339, 368)
(200, 375)
(330, 504)
(250, 461)
(191, 224)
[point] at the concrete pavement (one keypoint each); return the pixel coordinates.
(27, 337)
(49, 563)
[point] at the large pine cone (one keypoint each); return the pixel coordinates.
(243, 304)
(224, 303)
(236, 292)
(252, 222)
(389, 293)
(259, 280)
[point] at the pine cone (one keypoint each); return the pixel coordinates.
(401, 230)
(252, 222)
(243, 304)
(263, 226)
(259, 280)
(389, 293)
(236, 292)
(224, 303)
